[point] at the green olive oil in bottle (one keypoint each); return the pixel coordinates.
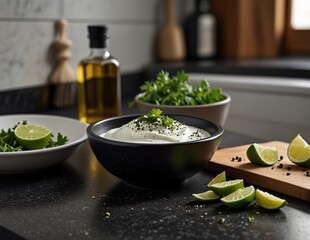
(99, 93)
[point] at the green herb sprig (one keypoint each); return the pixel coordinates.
(175, 90)
(154, 115)
(8, 141)
(60, 140)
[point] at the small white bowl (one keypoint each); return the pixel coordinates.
(30, 160)
(215, 112)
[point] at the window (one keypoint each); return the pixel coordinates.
(297, 34)
(300, 10)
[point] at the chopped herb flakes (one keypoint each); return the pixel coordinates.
(156, 121)
(155, 127)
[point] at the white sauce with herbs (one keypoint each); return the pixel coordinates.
(155, 132)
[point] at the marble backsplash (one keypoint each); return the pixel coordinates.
(27, 32)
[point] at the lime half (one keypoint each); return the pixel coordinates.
(218, 178)
(262, 155)
(227, 187)
(206, 196)
(269, 201)
(240, 198)
(299, 151)
(32, 136)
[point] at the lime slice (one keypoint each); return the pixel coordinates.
(32, 136)
(206, 196)
(269, 201)
(262, 155)
(239, 198)
(299, 151)
(227, 187)
(218, 178)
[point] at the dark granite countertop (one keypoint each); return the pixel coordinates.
(72, 200)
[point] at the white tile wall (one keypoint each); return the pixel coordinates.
(24, 53)
(26, 9)
(112, 9)
(27, 32)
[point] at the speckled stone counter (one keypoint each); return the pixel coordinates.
(79, 199)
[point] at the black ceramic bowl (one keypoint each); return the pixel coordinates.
(153, 165)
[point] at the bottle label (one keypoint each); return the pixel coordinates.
(206, 36)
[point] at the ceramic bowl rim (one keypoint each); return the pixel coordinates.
(52, 149)
(89, 130)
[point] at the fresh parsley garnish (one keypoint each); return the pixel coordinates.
(8, 141)
(154, 116)
(175, 90)
(61, 140)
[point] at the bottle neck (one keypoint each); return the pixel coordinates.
(99, 46)
(98, 42)
(104, 52)
(202, 6)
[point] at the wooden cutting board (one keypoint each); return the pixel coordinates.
(284, 177)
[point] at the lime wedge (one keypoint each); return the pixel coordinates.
(262, 155)
(269, 201)
(239, 198)
(227, 187)
(218, 178)
(32, 136)
(299, 151)
(206, 196)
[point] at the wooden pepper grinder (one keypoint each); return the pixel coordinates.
(62, 77)
(171, 37)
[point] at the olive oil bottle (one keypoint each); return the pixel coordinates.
(99, 93)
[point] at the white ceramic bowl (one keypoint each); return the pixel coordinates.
(215, 112)
(31, 160)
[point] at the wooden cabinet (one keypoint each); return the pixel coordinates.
(249, 28)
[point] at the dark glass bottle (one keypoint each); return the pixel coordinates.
(99, 95)
(200, 32)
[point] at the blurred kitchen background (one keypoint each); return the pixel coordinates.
(262, 54)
